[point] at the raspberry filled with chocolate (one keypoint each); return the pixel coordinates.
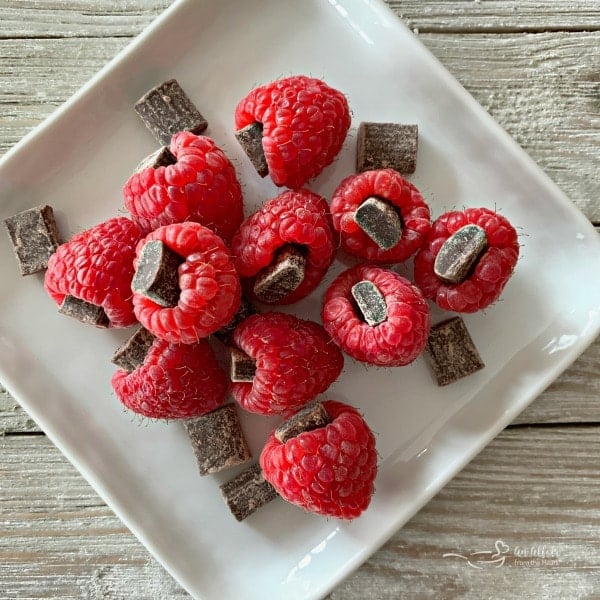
(381, 217)
(285, 248)
(185, 286)
(467, 259)
(376, 316)
(294, 360)
(328, 469)
(200, 185)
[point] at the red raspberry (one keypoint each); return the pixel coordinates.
(96, 265)
(201, 186)
(492, 270)
(176, 381)
(210, 288)
(395, 342)
(295, 361)
(293, 217)
(385, 184)
(304, 126)
(330, 470)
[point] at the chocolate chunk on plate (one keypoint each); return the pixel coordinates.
(218, 440)
(83, 311)
(247, 492)
(34, 236)
(387, 146)
(132, 353)
(450, 351)
(310, 417)
(250, 139)
(157, 275)
(166, 109)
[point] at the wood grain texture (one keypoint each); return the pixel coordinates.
(530, 488)
(534, 65)
(471, 16)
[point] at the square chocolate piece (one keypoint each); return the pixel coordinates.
(451, 352)
(166, 110)
(247, 492)
(132, 353)
(35, 238)
(83, 311)
(387, 146)
(218, 440)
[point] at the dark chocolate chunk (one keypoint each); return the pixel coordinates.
(387, 145)
(370, 301)
(166, 109)
(35, 238)
(162, 157)
(218, 440)
(380, 221)
(132, 353)
(282, 276)
(310, 417)
(451, 352)
(250, 139)
(83, 311)
(244, 311)
(243, 367)
(459, 253)
(157, 275)
(247, 492)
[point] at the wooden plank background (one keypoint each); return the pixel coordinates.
(535, 66)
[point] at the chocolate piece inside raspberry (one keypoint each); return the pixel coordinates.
(250, 139)
(311, 417)
(247, 492)
(83, 311)
(283, 276)
(166, 110)
(370, 302)
(243, 367)
(387, 145)
(35, 238)
(160, 158)
(157, 276)
(451, 352)
(459, 254)
(131, 354)
(218, 440)
(380, 221)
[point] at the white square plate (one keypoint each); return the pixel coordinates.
(60, 370)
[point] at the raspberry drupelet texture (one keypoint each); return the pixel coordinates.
(491, 272)
(201, 186)
(295, 361)
(176, 381)
(388, 185)
(210, 287)
(96, 265)
(399, 339)
(329, 471)
(297, 217)
(304, 122)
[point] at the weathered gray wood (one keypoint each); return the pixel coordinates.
(534, 85)
(530, 487)
(498, 15)
(13, 418)
(78, 18)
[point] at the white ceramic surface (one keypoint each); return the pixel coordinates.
(60, 370)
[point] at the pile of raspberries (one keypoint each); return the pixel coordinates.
(194, 207)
